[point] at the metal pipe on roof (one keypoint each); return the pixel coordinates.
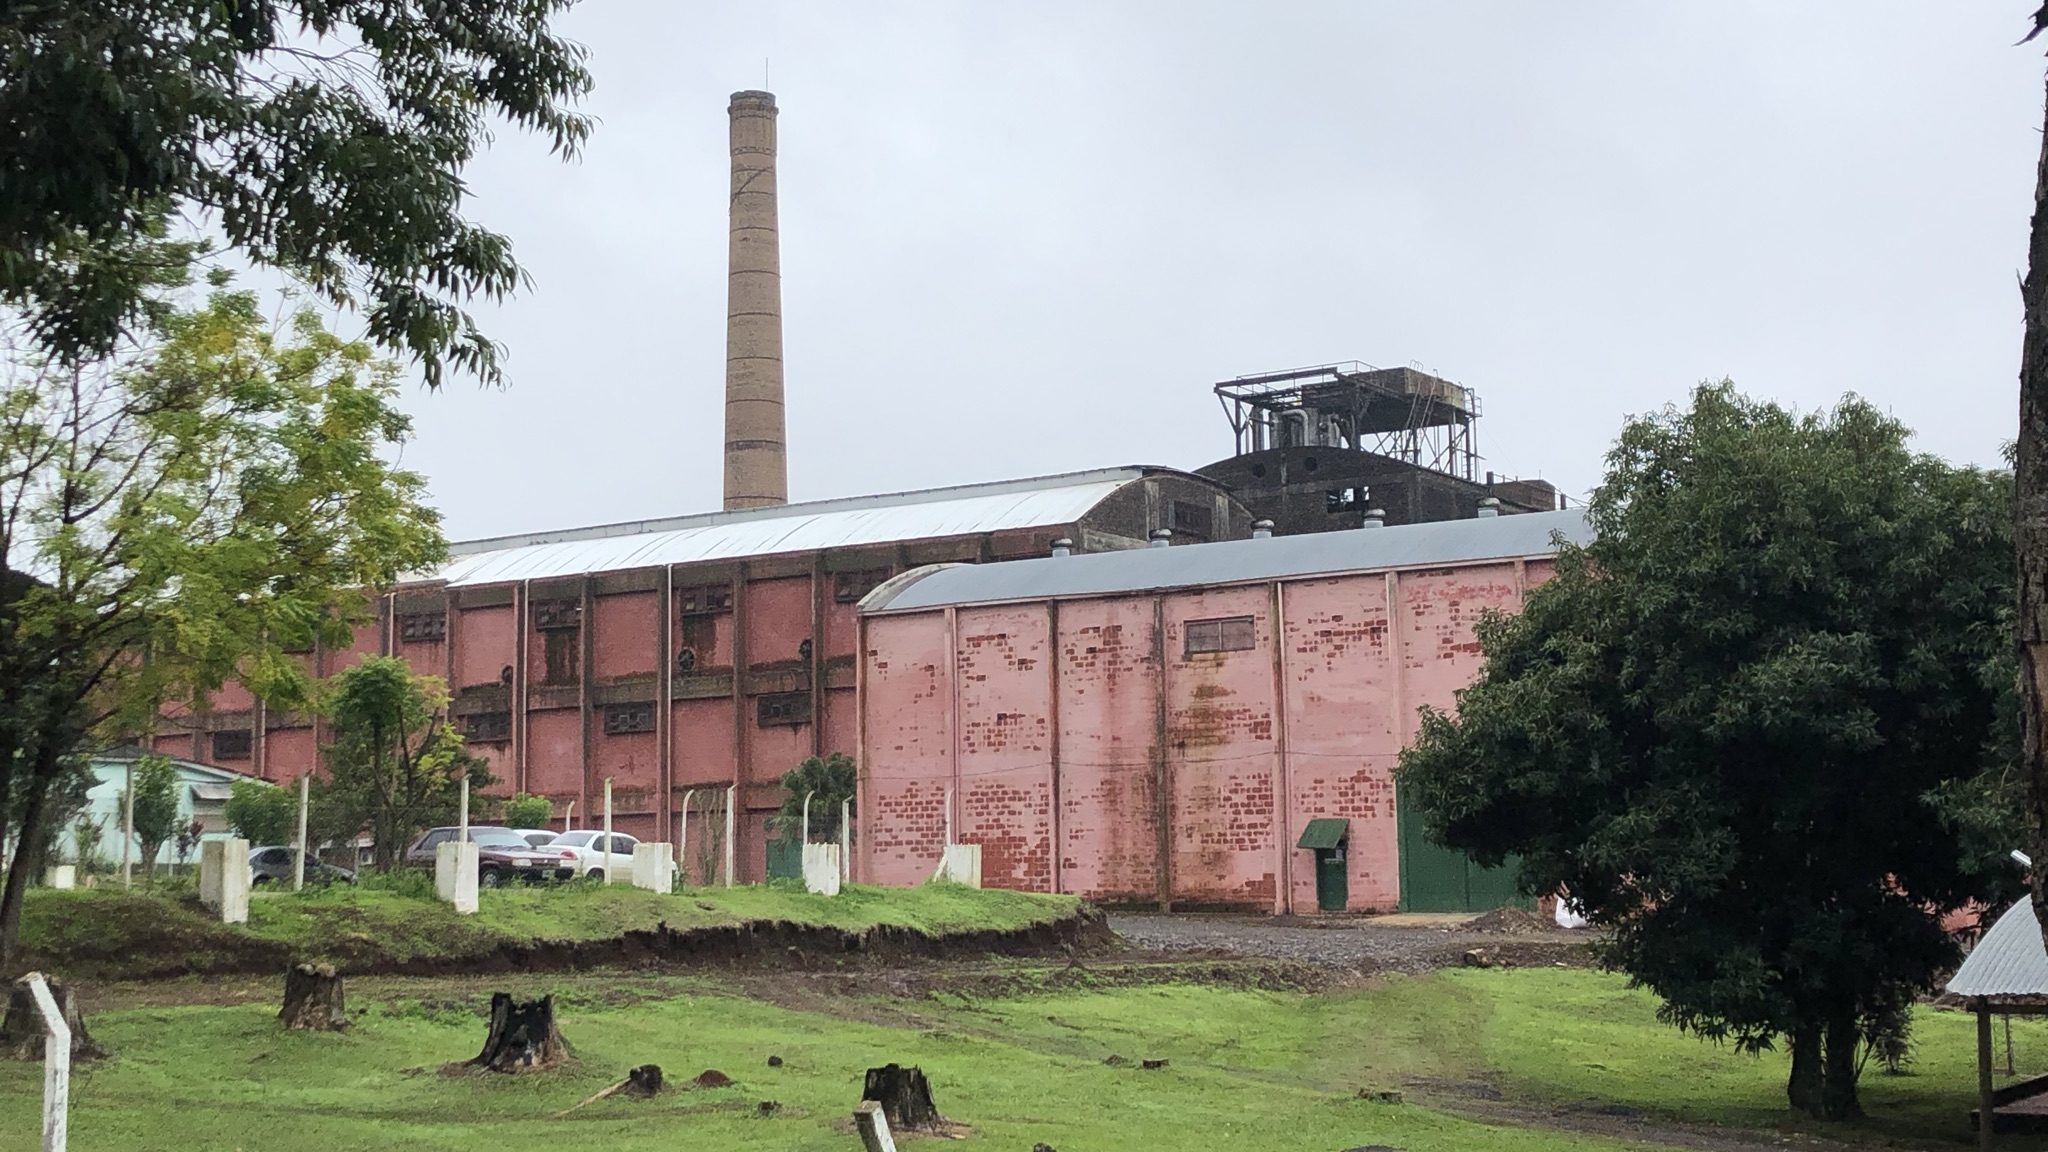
(1162, 537)
(1262, 529)
(1375, 518)
(1063, 547)
(1489, 507)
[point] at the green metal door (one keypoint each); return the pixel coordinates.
(1333, 887)
(1439, 879)
(785, 860)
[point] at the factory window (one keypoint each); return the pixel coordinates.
(704, 599)
(233, 744)
(620, 719)
(1229, 634)
(487, 727)
(1338, 500)
(1192, 519)
(556, 615)
(849, 587)
(782, 708)
(422, 627)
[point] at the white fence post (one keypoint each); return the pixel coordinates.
(56, 1063)
(608, 868)
(732, 828)
(299, 844)
(846, 841)
(873, 1126)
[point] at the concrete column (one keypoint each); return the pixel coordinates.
(756, 469)
(224, 878)
(455, 869)
(654, 867)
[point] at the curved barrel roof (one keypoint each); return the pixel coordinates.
(1043, 501)
(1232, 561)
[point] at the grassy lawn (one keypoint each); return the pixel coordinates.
(103, 933)
(1573, 1036)
(1248, 1070)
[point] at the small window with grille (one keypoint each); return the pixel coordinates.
(487, 727)
(1227, 634)
(849, 587)
(233, 744)
(621, 719)
(704, 599)
(557, 615)
(782, 708)
(422, 627)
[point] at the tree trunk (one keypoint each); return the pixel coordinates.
(2030, 535)
(522, 1036)
(18, 872)
(905, 1097)
(22, 1030)
(313, 999)
(1803, 1090)
(1838, 1088)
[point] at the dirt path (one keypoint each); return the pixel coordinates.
(1386, 944)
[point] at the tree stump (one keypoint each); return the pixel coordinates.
(313, 999)
(905, 1097)
(22, 1030)
(523, 1036)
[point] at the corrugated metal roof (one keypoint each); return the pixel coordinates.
(2008, 961)
(962, 511)
(1231, 561)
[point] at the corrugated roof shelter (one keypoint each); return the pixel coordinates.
(2008, 962)
(1232, 562)
(2006, 973)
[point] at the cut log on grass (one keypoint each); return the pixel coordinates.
(523, 1036)
(22, 1030)
(643, 1082)
(313, 999)
(905, 1097)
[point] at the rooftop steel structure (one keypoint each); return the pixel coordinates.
(1401, 413)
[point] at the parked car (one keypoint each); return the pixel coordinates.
(538, 837)
(273, 865)
(502, 856)
(587, 848)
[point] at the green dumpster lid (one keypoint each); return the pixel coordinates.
(1325, 832)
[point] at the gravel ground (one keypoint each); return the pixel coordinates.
(1360, 945)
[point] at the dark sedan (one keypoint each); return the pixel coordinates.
(273, 865)
(502, 856)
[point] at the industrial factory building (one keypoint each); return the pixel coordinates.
(1110, 738)
(1172, 726)
(694, 652)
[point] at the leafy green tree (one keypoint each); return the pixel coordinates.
(326, 139)
(217, 492)
(1745, 726)
(262, 813)
(86, 836)
(832, 781)
(524, 811)
(155, 813)
(395, 762)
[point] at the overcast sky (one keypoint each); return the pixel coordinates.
(1027, 238)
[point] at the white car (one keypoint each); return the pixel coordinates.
(587, 849)
(538, 837)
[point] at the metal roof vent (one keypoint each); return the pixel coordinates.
(1262, 529)
(1488, 507)
(1161, 537)
(1063, 547)
(1375, 518)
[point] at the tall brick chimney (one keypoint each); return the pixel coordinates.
(756, 463)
